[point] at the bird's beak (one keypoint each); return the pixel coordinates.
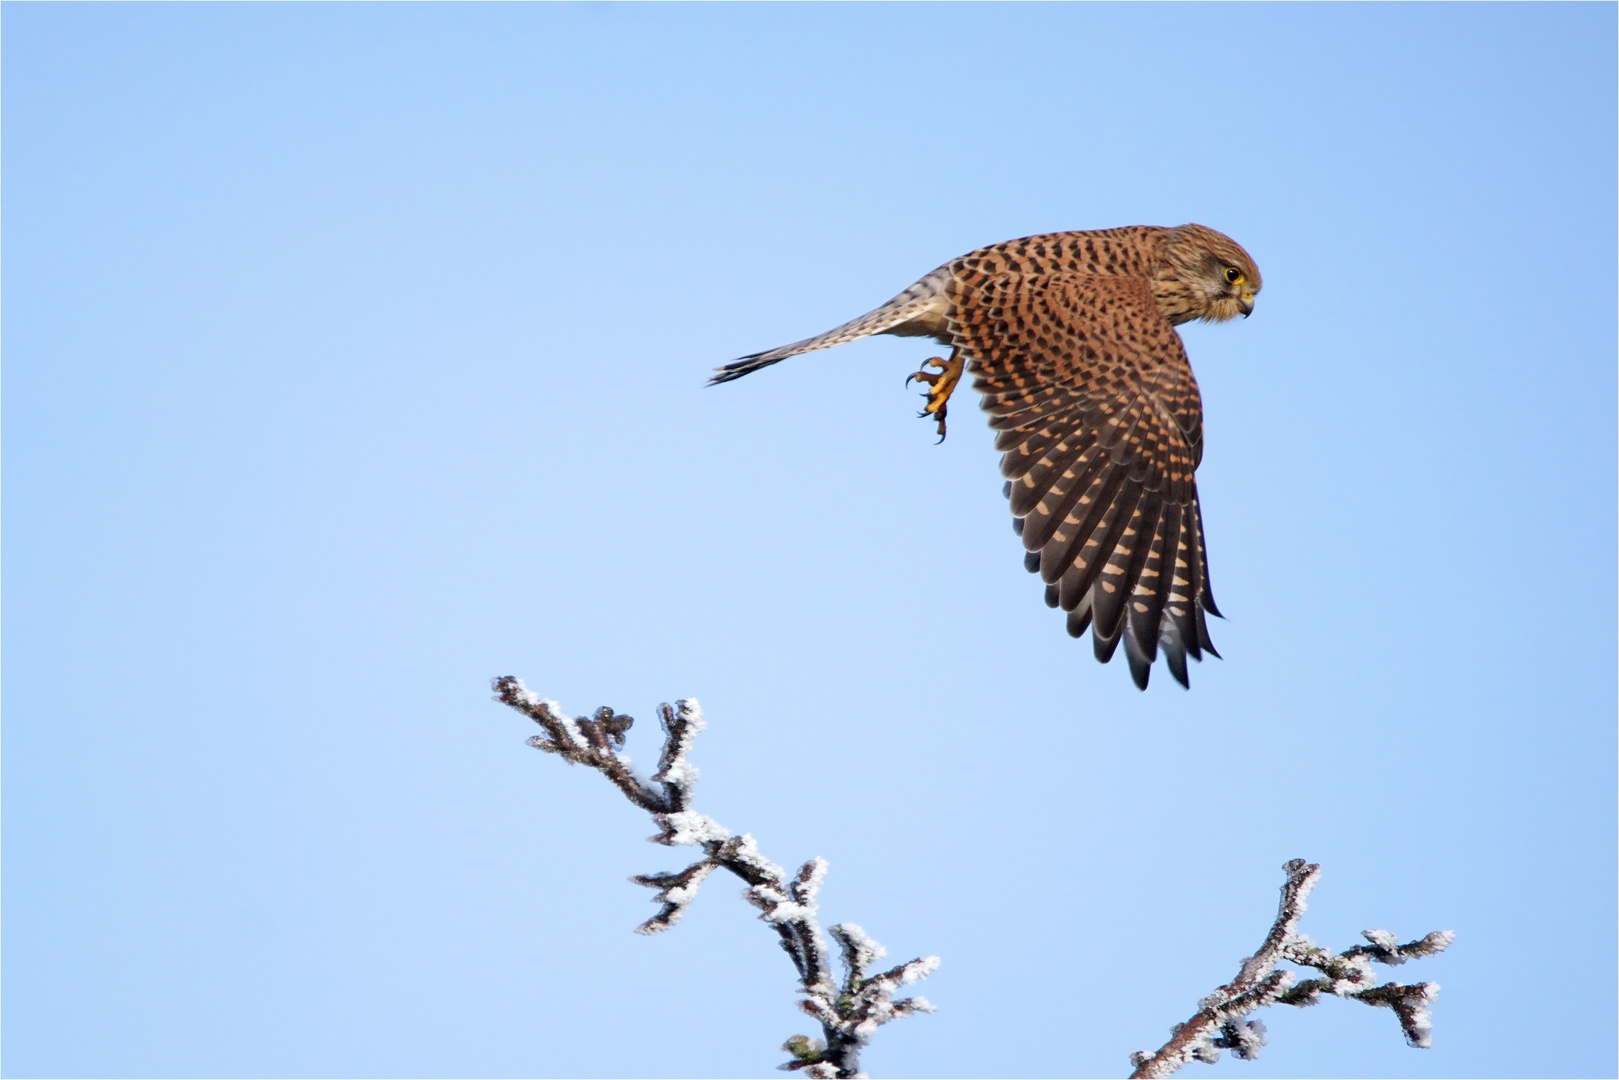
(1246, 305)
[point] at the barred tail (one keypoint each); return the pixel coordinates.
(908, 305)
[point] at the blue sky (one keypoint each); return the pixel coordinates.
(355, 355)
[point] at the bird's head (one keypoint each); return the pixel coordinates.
(1205, 275)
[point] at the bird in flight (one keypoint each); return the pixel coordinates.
(1070, 338)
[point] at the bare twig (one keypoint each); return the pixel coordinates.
(849, 1013)
(1219, 1025)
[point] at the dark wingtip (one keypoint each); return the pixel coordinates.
(1140, 662)
(1208, 604)
(1175, 660)
(1103, 647)
(1140, 670)
(1203, 639)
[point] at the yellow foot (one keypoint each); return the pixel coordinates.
(941, 385)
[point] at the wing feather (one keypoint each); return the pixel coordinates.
(1093, 558)
(1045, 518)
(1124, 565)
(1179, 611)
(1151, 593)
(1054, 471)
(1099, 421)
(1082, 541)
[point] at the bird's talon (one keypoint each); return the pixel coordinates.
(941, 384)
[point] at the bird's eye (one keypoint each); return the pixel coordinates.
(1233, 275)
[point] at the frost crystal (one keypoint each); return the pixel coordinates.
(1218, 1023)
(849, 1012)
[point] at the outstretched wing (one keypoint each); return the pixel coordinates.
(1100, 420)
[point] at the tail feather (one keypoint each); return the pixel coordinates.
(909, 305)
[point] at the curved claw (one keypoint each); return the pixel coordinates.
(941, 385)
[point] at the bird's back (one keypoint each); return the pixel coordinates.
(1127, 252)
(923, 309)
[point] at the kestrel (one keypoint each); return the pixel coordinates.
(1071, 340)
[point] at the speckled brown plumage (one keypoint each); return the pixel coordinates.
(1070, 338)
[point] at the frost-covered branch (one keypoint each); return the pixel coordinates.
(849, 1011)
(1219, 1025)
